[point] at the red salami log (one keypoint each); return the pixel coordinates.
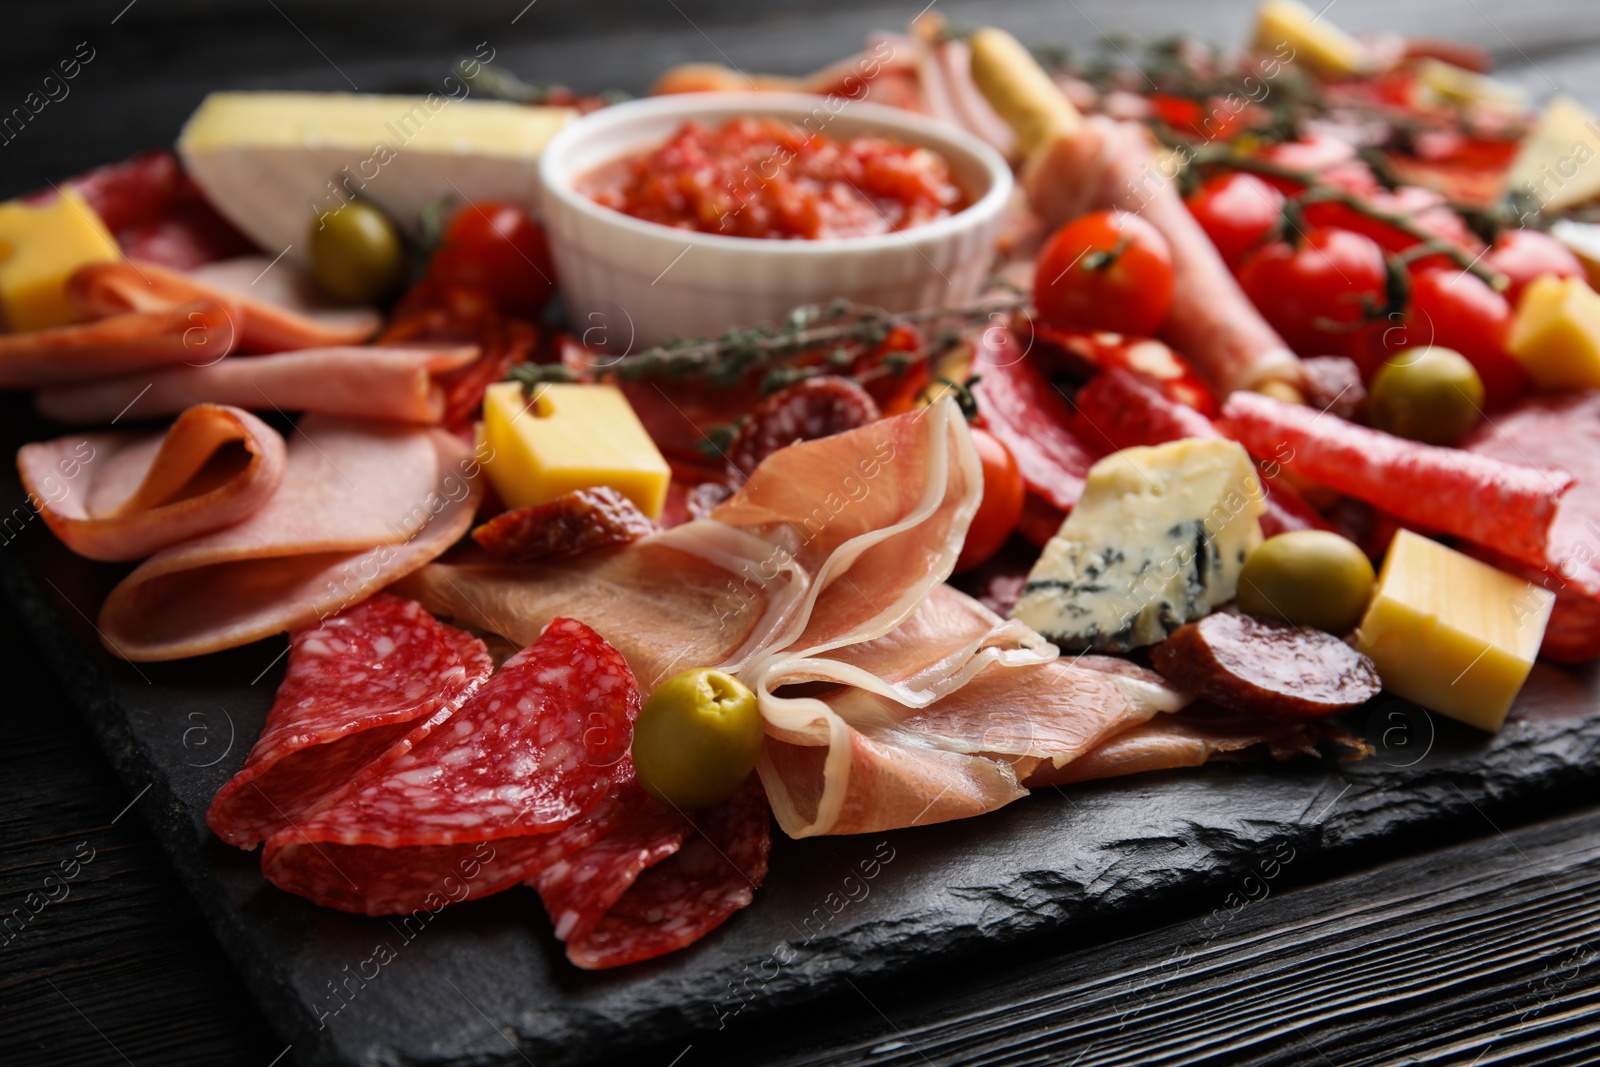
(362, 689)
(659, 884)
(532, 752)
(1482, 499)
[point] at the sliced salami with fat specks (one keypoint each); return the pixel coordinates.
(658, 882)
(532, 752)
(361, 689)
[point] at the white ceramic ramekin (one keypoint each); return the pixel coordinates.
(628, 283)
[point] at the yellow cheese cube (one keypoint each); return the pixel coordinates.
(1292, 31)
(41, 246)
(1554, 164)
(1453, 634)
(568, 437)
(1450, 84)
(1556, 333)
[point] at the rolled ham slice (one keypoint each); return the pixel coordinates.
(273, 307)
(396, 384)
(360, 505)
(1108, 165)
(202, 332)
(115, 497)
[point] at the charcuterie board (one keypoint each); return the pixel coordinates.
(485, 982)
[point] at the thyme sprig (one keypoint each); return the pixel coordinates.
(726, 361)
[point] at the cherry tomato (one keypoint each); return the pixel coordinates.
(1108, 270)
(1237, 211)
(1523, 255)
(1453, 309)
(1316, 292)
(1001, 507)
(500, 250)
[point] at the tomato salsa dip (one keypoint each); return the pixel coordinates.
(766, 178)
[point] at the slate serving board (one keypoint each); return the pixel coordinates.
(486, 982)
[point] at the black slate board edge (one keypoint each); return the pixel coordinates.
(174, 827)
(1034, 911)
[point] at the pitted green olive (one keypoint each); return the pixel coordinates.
(696, 739)
(1309, 578)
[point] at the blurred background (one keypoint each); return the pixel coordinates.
(153, 60)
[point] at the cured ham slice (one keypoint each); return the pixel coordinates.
(828, 567)
(1108, 165)
(1193, 738)
(274, 309)
(127, 342)
(531, 753)
(399, 384)
(362, 689)
(120, 496)
(360, 505)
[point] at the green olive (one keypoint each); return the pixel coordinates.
(356, 255)
(697, 739)
(1426, 394)
(1308, 578)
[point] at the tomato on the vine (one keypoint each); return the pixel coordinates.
(1001, 506)
(1453, 309)
(1424, 208)
(1108, 270)
(1319, 290)
(1237, 211)
(1523, 255)
(498, 249)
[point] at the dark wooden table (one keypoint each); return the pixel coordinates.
(1479, 947)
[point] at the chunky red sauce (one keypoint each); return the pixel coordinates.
(766, 178)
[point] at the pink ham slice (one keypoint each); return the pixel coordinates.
(369, 382)
(1109, 165)
(120, 344)
(362, 689)
(120, 496)
(360, 505)
(273, 308)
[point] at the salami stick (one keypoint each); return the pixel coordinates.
(1506, 506)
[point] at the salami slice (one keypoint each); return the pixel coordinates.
(1480, 498)
(1029, 415)
(533, 751)
(361, 690)
(575, 522)
(659, 882)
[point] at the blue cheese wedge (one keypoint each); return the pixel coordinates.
(1156, 541)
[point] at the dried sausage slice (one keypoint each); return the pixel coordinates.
(361, 689)
(533, 751)
(569, 524)
(1264, 667)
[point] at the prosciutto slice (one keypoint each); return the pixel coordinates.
(273, 308)
(826, 570)
(1109, 165)
(397, 384)
(123, 343)
(360, 505)
(120, 496)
